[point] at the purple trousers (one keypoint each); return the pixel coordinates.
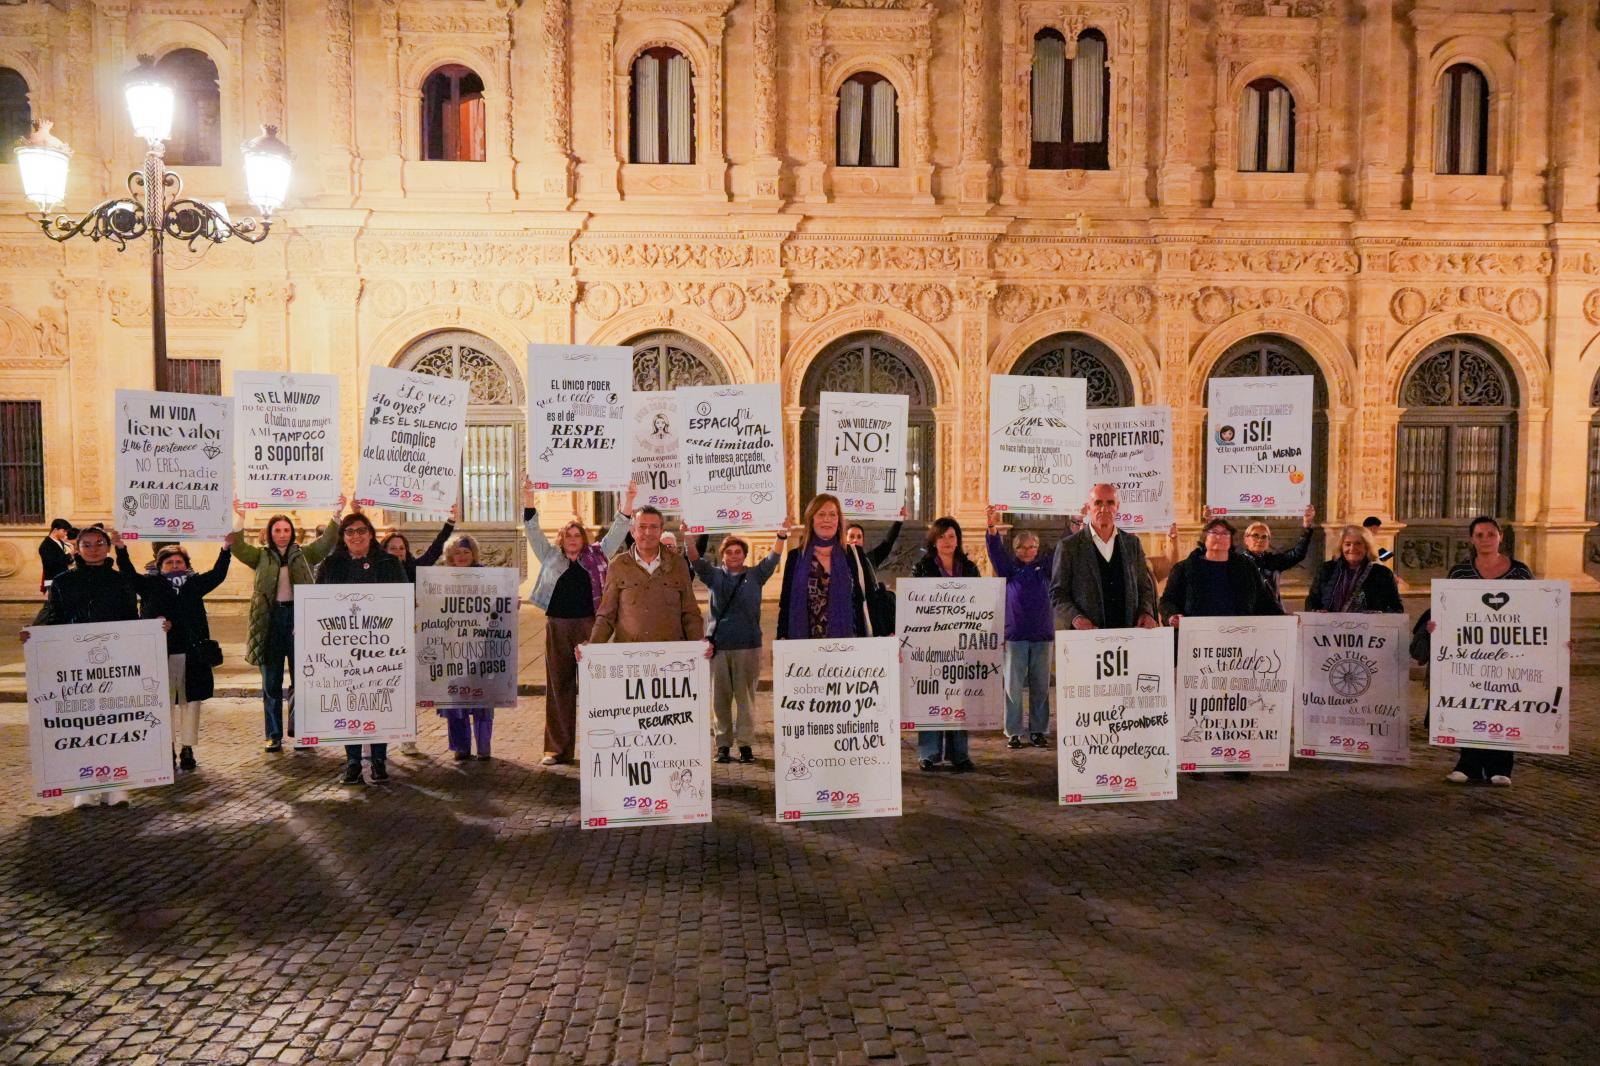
(463, 725)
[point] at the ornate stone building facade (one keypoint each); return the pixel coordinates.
(1400, 199)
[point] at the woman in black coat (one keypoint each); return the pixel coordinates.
(943, 556)
(1216, 581)
(1354, 581)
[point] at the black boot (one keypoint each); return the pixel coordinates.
(352, 774)
(186, 759)
(722, 755)
(380, 770)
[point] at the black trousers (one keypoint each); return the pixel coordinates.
(1480, 764)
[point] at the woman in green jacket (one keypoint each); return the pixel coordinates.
(280, 564)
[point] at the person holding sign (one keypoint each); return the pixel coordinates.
(398, 546)
(880, 601)
(1214, 581)
(1030, 632)
(464, 725)
(1354, 582)
(943, 557)
(279, 564)
(647, 597)
(824, 591)
(1258, 545)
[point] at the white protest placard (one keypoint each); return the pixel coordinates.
(1131, 448)
(99, 710)
(174, 465)
(579, 420)
(1117, 740)
(412, 434)
(644, 723)
(287, 439)
(836, 723)
(1258, 447)
(953, 632)
(1351, 706)
(467, 636)
(355, 681)
(732, 447)
(1500, 671)
(1235, 692)
(861, 452)
(657, 468)
(1037, 460)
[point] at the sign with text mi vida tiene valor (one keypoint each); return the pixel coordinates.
(411, 441)
(353, 659)
(467, 636)
(1117, 740)
(1499, 669)
(1353, 674)
(644, 719)
(1258, 445)
(835, 723)
(174, 465)
(1235, 693)
(287, 439)
(953, 633)
(732, 450)
(579, 420)
(861, 452)
(98, 707)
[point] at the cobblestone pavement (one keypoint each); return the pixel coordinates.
(257, 912)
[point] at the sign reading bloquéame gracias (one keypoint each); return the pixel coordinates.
(288, 447)
(580, 416)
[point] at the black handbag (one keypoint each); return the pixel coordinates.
(209, 652)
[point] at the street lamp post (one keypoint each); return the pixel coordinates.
(155, 204)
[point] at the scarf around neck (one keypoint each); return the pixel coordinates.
(841, 602)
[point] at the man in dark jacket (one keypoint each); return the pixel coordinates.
(1101, 579)
(1216, 581)
(54, 556)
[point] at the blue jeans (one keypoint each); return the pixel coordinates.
(352, 753)
(1028, 668)
(950, 743)
(279, 647)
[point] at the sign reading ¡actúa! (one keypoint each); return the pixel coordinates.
(411, 441)
(579, 420)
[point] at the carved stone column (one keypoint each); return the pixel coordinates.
(1177, 171)
(1383, 108)
(555, 102)
(1559, 537)
(767, 167)
(975, 171)
(337, 91)
(91, 396)
(1528, 144)
(970, 436)
(1573, 185)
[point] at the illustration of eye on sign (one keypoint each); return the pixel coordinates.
(287, 439)
(1500, 671)
(952, 631)
(1116, 739)
(1353, 674)
(99, 710)
(861, 452)
(1037, 433)
(1235, 693)
(467, 636)
(174, 465)
(354, 656)
(732, 447)
(656, 466)
(1258, 445)
(644, 718)
(579, 420)
(1131, 448)
(414, 427)
(835, 723)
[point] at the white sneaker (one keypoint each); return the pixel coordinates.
(1456, 777)
(93, 799)
(1500, 779)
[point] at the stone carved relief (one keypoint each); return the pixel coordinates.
(1591, 307)
(1213, 304)
(846, 254)
(1275, 260)
(52, 329)
(1135, 303)
(462, 254)
(654, 255)
(131, 306)
(514, 299)
(269, 73)
(1409, 306)
(1464, 262)
(931, 303)
(722, 300)
(1096, 258)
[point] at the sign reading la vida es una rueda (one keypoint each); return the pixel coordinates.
(1353, 674)
(1235, 692)
(174, 465)
(1258, 446)
(580, 416)
(354, 650)
(1117, 740)
(413, 430)
(287, 439)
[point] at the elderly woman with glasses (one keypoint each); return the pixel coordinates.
(1258, 546)
(1216, 581)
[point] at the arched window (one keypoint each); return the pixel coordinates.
(453, 122)
(1461, 122)
(16, 117)
(1456, 454)
(1266, 127)
(661, 108)
(1071, 101)
(869, 122)
(196, 108)
(1078, 355)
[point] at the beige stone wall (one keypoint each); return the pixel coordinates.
(765, 252)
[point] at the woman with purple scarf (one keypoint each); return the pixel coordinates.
(943, 557)
(1355, 581)
(824, 582)
(571, 578)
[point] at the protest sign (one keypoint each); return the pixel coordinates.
(1117, 739)
(411, 441)
(287, 439)
(953, 633)
(467, 636)
(835, 723)
(1037, 463)
(1258, 448)
(1500, 670)
(1131, 448)
(578, 420)
(1235, 693)
(861, 452)
(174, 465)
(644, 719)
(354, 676)
(1353, 674)
(656, 466)
(732, 448)
(99, 709)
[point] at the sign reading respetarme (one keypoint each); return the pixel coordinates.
(287, 439)
(1499, 675)
(1131, 448)
(835, 723)
(1353, 674)
(174, 465)
(1258, 448)
(98, 707)
(644, 719)
(732, 448)
(953, 633)
(1235, 693)
(1118, 742)
(656, 466)
(414, 427)
(1037, 462)
(861, 452)
(467, 636)
(353, 656)
(579, 420)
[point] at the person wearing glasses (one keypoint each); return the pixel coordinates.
(1216, 581)
(1258, 546)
